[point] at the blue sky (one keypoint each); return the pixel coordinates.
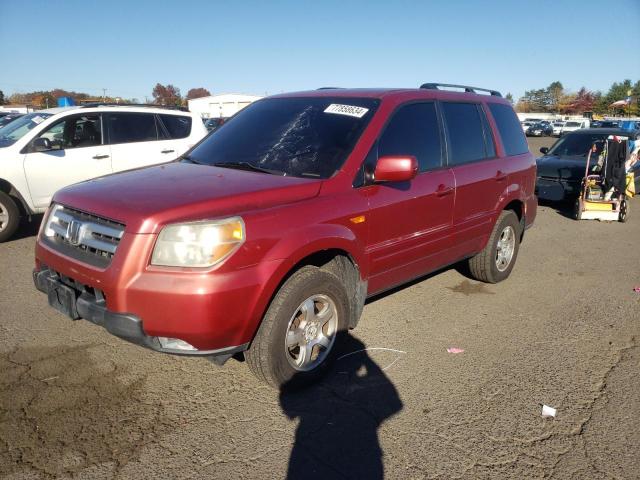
(271, 47)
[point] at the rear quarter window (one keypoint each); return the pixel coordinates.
(178, 126)
(509, 128)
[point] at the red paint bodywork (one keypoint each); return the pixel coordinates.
(442, 216)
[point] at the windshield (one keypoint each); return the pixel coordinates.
(577, 145)
(301, 137)
(572, 124)
(14, 131)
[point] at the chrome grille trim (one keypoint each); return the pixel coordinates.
(94, 238)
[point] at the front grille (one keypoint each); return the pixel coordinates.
(82, 235)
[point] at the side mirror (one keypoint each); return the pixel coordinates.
(544, 150)
(392, 168)
(41, 144)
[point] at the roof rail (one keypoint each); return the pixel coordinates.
(147, 105)
(330, 88)
(467, 89)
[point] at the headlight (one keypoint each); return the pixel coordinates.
(52, 219)
(198, 244)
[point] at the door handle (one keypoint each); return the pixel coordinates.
(443, 190)
(100, 157)
(167, 151)
(500, 176)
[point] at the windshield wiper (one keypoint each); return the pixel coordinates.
(188, 158)
(248, 166)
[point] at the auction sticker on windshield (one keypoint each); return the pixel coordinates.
(37, 119)
(350, 110)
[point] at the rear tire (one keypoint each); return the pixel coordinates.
(624, 211)
(295, 344)
(495, 262)
(577, 209)
(9, 217)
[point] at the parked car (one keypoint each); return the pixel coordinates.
(6, 119)
(557, 128)
(608, 124)
(44, 151)
(573, 125)
(526, 125)
(266, 239)
(214, 123)
(561, 168)
(539, 130)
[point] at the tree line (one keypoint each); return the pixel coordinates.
(556, 99)
(168, 95)
(553, 99)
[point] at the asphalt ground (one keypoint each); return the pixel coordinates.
(562, 331)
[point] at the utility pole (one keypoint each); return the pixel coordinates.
(104, 94)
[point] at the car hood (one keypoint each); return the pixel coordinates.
(147, 198)
(565, 168)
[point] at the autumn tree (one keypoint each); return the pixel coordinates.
(553, 95)
(167, 95)
(197, 93)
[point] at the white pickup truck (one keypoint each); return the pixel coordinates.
(573, 125)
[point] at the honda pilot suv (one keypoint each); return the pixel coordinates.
(264, 241)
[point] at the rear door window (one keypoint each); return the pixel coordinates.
(512, 136)
(127, 127)
(414, 130)
(466, 135)
(178, 126)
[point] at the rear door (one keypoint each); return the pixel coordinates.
(178, 128)
(77, 153)
(137, 139)
(410, 222)
(480, 176)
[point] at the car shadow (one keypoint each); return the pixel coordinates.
(563, 207)
(28, 227)
(339, 417)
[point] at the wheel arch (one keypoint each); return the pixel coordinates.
(9, 189)
(336, 255)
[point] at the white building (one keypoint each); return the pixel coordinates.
(223, 105)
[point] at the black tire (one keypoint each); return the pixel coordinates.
(483, 266)
(268, 356)
(9, 208)
(623, 215)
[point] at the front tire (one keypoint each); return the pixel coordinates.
(9, 217)
(297, 338)
(495, 262)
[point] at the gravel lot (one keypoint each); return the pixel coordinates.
(562, 331)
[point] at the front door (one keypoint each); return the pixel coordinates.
(76, 152)
(410, 222)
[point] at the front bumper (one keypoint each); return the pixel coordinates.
(556, 190)
(79, 301)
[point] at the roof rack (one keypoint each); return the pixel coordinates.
(147, 105)
(467, 89)
(330, 88)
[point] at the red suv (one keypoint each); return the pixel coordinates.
(265, 240)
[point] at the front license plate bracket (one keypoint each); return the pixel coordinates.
(62, 298)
